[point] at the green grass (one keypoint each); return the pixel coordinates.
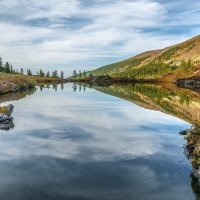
(116, 68)
(3, 110)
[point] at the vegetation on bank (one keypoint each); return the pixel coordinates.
(3, 110)
(14, 82)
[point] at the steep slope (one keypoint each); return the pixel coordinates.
(171, 63)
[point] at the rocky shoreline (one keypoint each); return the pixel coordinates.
(7, 86)
(190, 83)
(192, 149)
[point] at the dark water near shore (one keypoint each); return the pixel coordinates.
(73, 142)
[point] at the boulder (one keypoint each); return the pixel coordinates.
(10, 108)
(6, 87)
(6, 121)
(7, 126)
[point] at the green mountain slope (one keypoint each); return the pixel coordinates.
(171, 63)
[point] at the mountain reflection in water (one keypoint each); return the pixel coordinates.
(73, 142)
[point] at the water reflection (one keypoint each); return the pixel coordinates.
(51, 86)
(179, 102)
(15, 96)
(88, 145)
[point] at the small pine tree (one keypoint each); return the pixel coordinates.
(62, 75)
(84, 73)
(1, 65)
(55, 74)
(29, 72)
(80, 74)
(41, 73)
(47, 74)
(21, 71)
(74, 74)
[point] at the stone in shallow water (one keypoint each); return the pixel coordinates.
(6, 121)
(5, 118)
(10, 109)
(7, 126)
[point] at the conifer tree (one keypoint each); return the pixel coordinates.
(29, 72)
(1, 65)
(7, 67)
(80, 74)
(74, 74)
(41, 73)
(62, 75)
(47, 74)
(21, 71)
(55, 74)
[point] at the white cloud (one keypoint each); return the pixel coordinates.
(76, 33)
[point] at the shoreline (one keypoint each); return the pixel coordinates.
(12, 83)
(189, 83)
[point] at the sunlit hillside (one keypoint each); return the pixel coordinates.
(171, 63)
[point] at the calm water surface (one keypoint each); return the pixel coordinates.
(89, 145)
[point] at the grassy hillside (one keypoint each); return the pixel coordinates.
(171, 63)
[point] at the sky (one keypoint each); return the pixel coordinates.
(85, 34)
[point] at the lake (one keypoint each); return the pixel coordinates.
(117, 142)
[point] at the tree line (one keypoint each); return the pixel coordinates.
(8, 68)
(81, 74)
